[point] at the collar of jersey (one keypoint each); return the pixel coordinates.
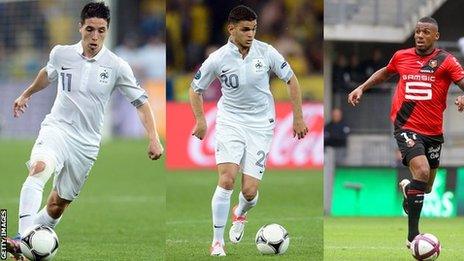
(80, 51)
(234, 48)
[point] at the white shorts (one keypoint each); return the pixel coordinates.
(72, 161)
(244, 146)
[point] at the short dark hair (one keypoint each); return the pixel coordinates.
(95, 9)
(241, 13)
(429, 20)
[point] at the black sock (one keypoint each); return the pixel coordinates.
(415, 199)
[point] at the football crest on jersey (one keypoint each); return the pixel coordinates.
(258, 65)
(104, 75)
(198, 75)
(433, 63)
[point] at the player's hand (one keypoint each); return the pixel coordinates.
(460, 103)
(155, 150)
(20, 105)
(299, 128)
(355, 96)
(199, 130)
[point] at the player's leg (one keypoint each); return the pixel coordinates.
(30, 199)
(220, 204)
(431, 180)
(420, 170)
(40, 170)
(258, 145)
(248, 197)
(51, 214)
(230, 146)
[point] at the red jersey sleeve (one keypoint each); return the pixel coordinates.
(454, 69)
(391, 66)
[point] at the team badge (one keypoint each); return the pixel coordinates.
(258, 65)
(198, 75)
(104, 74)
(433, 63)
(410, 143)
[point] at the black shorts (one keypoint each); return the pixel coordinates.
(412, 144)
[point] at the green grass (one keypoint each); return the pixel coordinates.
(290, 198)
(384, 238)
(120, 212)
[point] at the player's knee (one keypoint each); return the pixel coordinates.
(37, 167)
(42, 168)
(226, 179)
(428, 189)
(249, 193)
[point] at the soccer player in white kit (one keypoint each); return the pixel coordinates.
(245, 119)
(67, 146)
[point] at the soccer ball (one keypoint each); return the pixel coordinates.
(39, 243)
(272, 239)
(425, 247)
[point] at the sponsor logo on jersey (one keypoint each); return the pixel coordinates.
(283, 65)
(418, 77)
(198, 75)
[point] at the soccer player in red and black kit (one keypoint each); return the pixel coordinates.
(425, 75)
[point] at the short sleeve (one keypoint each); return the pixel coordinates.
(454, 69)
(129, 87)
(51, 67)
(278, 65)
(205, 75)
(391, 66)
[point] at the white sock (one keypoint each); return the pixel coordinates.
(30, 200)
(43, 218)
(245, 205)
(220, 205)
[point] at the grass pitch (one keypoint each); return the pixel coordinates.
(385, 238)
(290, 198)
(120, 212)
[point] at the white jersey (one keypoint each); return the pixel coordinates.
(84, 87)
(246, 97)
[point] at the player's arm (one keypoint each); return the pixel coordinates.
(460, 99)
(40, 82)
(196, 102)
(378, 77)
(299, 127)
(155, 148)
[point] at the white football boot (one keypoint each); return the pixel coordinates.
(237, 228)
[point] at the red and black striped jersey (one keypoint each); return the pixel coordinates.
(420, 96)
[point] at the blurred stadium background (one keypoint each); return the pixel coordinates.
(194, 29)
(362, 163)
(108, 212)
(197, 28)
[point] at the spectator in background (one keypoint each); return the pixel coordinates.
(356, 71)
(373, 64)
(336, 135)
(341, 74)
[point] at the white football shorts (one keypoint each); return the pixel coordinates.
(73, 161)
(244, 146)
